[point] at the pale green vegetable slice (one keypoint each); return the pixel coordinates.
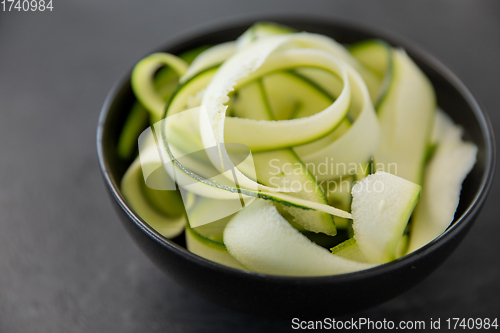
(402, 246)
(134, 191)
(215, 189)
(451, 161)
(136, 121)
(263, 241)
(165, 81)
(349, 249)
(268, 135)
(209, 249)
(406, 116)
(142, 82)
(375, 55)
(206, 240)
(381, 207)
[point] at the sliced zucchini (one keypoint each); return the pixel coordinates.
(209, 249)
(381, 207)
(444, 174)
(282, 168)
(406, 117)
(206, 240)
(349, 249)
(135, 123)
(167, 221)
(376, 55)
(142, 81)
(263, 241)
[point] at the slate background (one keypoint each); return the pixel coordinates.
(66, 263)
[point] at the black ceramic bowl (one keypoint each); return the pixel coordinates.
(303, 296)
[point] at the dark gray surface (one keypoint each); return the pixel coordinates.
(67, 265)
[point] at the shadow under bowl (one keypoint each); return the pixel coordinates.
(309, 297)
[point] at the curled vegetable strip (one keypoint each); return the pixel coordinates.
(143, 84)
(268, 134)
(249, 64)
(137, 193)
(239, 67)
(262, 240)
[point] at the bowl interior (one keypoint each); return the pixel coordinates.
(452, 97)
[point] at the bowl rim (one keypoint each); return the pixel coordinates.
(413, 49)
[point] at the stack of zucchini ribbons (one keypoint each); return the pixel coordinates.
(287, 153)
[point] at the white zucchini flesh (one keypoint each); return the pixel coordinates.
(406, 116)
(381, 207)
(451, 161)
(264, 242)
